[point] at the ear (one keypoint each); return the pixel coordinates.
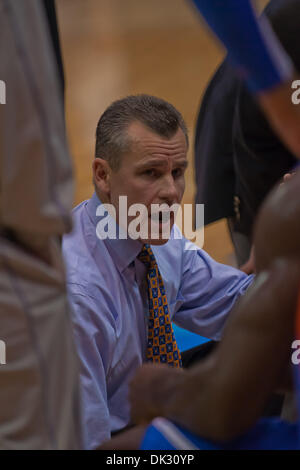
(101, 176)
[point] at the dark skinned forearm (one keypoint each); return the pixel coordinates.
(221, 397)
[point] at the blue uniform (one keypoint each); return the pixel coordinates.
(252, 46)
(267, 434)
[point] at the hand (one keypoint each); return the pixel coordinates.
(287, 177)
(125, 440)
(249, 266)
(150, 389)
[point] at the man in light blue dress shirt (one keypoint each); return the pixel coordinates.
(141, 153)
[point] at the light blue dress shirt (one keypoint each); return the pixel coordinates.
(107, 289)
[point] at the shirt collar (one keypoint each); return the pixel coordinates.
(123, 251)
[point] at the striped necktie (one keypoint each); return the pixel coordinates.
(162, 346)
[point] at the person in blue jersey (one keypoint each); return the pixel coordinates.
(218, 403)
(260, 60)
(234, 143)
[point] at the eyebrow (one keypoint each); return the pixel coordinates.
(161, 163)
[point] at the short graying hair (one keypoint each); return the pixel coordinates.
(155, 113)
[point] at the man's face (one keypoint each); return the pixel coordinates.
(152, 172)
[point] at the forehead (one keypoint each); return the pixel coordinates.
(146, 144)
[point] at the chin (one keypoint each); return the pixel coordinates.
(155, 241)
(163, 235)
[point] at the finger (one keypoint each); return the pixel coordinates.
(286, 177)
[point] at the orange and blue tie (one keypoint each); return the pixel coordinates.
(162, 347)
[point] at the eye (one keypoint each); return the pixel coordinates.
(177, 172)
(151, 173)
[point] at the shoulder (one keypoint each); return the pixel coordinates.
(284, 268)
(73, 240)
(88, 263)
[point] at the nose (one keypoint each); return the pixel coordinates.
(168, 190)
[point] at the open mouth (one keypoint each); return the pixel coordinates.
(160, 217)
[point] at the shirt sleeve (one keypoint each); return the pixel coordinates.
(93, 336)
(207, 293)
(251, 43)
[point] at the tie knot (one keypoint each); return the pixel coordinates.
(146, 256)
